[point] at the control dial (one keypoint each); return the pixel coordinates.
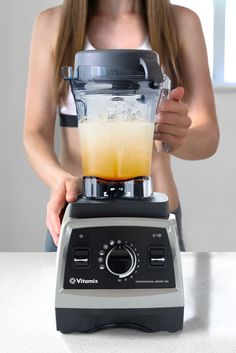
(121, 261)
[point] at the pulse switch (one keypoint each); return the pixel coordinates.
(157, 257)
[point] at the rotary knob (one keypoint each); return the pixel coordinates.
(121, 261)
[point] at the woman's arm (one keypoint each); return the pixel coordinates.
(200, 139)
(40, 115)
(40, 107)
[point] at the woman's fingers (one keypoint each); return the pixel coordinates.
(67, 191)
(173, 142)
(171, 129)
(175, 119)
(54, 207)
(52, 232)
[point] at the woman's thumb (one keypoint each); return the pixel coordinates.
(72, 190)
(177, 94)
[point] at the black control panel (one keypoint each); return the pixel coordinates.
(119, 257)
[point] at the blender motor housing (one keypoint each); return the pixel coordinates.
(118, 268)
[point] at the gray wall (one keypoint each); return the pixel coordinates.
(206, 187)
(23, 196)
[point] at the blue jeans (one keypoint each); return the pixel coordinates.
(49, 243)
(50, 246)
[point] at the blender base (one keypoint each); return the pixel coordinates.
(103, 293)
(148, 319)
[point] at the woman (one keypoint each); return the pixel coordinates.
(186, 122)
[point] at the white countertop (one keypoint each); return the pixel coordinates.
(27, 320)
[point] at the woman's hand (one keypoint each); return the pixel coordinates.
(172, 124)
(66, 191)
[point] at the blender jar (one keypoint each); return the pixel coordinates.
(116, 94)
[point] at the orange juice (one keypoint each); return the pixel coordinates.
(116, 150)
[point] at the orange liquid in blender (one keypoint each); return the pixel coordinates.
(116, 150)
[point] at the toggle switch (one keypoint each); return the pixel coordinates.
(157, 257)
(80, 257)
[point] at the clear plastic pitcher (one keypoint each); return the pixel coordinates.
(117, 94)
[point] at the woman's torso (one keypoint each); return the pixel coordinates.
(129, 33)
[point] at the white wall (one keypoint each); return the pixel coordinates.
(206, 187)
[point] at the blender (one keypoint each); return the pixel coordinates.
(118, 259)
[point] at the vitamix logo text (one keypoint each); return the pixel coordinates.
(74, 280)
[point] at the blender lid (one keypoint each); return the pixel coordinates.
(115, 64)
